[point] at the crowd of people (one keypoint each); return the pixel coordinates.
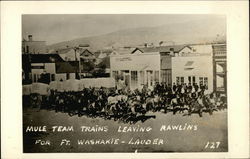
(131, 105)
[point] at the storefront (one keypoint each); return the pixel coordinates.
(136, 70)
(193, 69)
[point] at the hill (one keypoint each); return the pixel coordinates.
(199, 31)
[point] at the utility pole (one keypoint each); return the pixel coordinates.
(79, 72)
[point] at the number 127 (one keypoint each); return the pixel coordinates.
(212, 145)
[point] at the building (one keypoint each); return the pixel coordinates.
(102, 54)
(220, 67)
(175, 50)
(36, 65)
(193, 69)
(33, 47)
(102, 69)
(86, 55)
(66, 70)
(136, 70)
(166, 53)
(68, 54)
(123, 50)
(46, 68)
(202, 49)
(80, 56)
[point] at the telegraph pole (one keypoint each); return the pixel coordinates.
(79, 67)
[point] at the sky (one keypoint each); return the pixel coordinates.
(57, 28)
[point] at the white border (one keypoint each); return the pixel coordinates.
(238, 78)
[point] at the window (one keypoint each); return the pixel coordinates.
(177, 80)
(193, 80)
(142, 77)
(122, 74)
(67, 76)
(189, 79)
(34, 78)
(189, 63)
(201, 80)
(206, 81)
(182, 80)
(157, 76)
(52, 77)
(149, 77)
(164, 76)
(134, 78)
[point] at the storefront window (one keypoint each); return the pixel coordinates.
(177, 80)
(163, 75)
(201, 80)
(206, 81)
(122, 75)
(149, 77)
(142, 77)
(189, 79)
(134, 78)
(157, 76)
(182, 80)
(193, 80)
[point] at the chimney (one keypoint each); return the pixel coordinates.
(30, 37)
(172, 51)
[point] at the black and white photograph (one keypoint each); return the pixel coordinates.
(124, 79)
(124, 83)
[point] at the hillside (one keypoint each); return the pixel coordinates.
(199, 31)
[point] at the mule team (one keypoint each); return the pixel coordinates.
(131, 106)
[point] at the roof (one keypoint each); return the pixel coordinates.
(175, 48)
(42, 58)
(66, 67)
(104, 51)
(107, 51)
(63, 51)
(85, 51)
(124, 50)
